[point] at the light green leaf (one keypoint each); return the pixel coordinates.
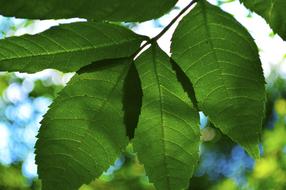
(273, 11)
(167, 136)
(222, 61)
(67, 47)
(83, 132)
(113, 10)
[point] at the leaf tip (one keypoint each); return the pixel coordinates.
(253, 151)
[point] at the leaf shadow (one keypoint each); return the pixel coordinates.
(132, 100)
(185, 82)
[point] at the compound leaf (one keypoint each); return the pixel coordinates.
(273, 11)
(83, 132)
(112, 10)
(221, 60)
(67, 47)
(167, 136)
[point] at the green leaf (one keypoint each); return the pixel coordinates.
(221, 60)
(185, 82)
(167, 136)
(83, 132)
(67, 47)
(113, 10)
(132, 100)
(273, 11)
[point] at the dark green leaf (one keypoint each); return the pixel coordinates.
(167, 137)
(113, 10)
(185, 82)
(67, 47)
(132, 100)
(83, 132)
(273, 11)
(222, 61)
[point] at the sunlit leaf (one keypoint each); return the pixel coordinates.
(67, 47)
(167, 136)
(273, 11)
(221, 59)
(113, 10)
(83, 132)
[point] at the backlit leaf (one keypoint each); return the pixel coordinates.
(167, 136)
(221, 59)
(67, 47)
(83, 132)
(113, 10)
(273, 11)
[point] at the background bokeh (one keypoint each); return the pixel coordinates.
(24, 99)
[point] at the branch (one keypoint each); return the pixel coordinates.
(158, 36)
(173, 21)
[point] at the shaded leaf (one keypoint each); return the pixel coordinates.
(113, 10)
(185, 82)
(222, 61)
(167, 136)
(273, 11)
(132, 100)
(67, 47)
(83, 132)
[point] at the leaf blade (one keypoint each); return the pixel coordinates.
(112, 10)
(132, 100)
(273, 11)
(168, 128)
(83, 132)
(222, 61)
(67, 47)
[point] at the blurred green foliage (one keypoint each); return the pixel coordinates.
(270, 171)
(130, 176)
(11, 178)
(41, 88)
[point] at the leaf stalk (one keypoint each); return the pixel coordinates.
(158, 36)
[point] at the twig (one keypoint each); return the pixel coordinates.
(173, 21)
(158, 36)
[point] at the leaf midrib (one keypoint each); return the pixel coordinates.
(205, 17)
(271, 8)
(66, 51)
(154, 53)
